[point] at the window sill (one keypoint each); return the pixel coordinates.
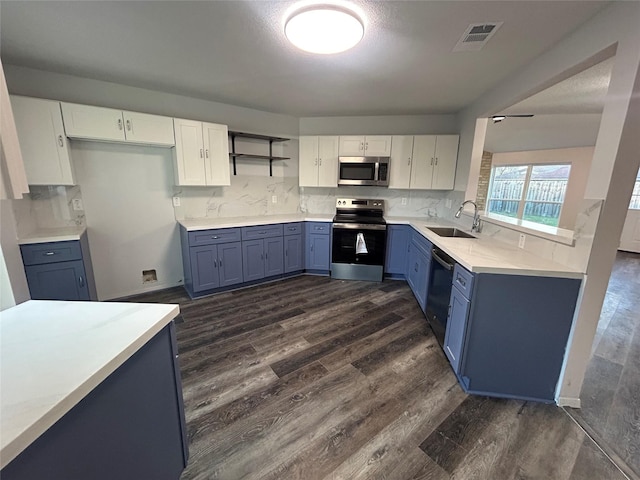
(554, 234)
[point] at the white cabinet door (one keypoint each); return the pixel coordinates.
(148, 129)
(424, 147)
(189, 153)
(446, 157)
(327, 161)
(377, 145)
(351, 146)
(43, 142)
(401, 157)
(93, 123)
(308, 161)
(216, 154)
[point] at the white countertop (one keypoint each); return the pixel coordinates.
(486, 254)
(207, 223)
(52, 235)
(52, 354)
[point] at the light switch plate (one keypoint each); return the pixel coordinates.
(176, 201)
(448, 203)
(521, 240)
(77, 204)
(404, 200)
(274, 199)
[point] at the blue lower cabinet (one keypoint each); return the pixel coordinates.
(58, 281)
(59, 270)
(293, 255)
(456, 328)
(262, 258)
(214, 266)
(318, 253)
(230, 264)
(397, 246)
(418, 274)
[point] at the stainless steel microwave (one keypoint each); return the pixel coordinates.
(363, 171)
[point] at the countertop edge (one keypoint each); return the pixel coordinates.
(25, 438)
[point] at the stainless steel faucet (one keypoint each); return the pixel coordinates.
(476, 217)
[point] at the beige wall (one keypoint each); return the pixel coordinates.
(580, 160)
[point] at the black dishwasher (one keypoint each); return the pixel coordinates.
(439, 294)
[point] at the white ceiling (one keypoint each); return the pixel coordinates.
(234, 51)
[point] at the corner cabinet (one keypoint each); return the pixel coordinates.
(397, 246)
(318, 159)
(45, 150)
(59, 270)
(425, 162)
(417, 269)
(201, 156)
(293, 251)
(110, 125)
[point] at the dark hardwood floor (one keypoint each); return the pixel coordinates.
(610, 396)
(313, 378)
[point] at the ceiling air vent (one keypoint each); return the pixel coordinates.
(476, 36)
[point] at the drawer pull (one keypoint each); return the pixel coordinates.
(215, 237)
(291, 229)
(50, 253)
(220, 263)
(81, 281)
(462, 282)
(262, 233)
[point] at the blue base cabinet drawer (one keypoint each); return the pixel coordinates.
(214, 236)
(262, 231)
(59, 270)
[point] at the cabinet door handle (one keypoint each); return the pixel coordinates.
(262, 256)
(128, 125)
(320, 162)
(361, 145)
(366, 146)
(409, 161)
(286, 253)
(215, 264)
(431, 160)
(50, 253)
(220, 262)
(436, 160)
(81, 281)
(416, 267)
(60, 141)
(119, 124)
(315, 162)
(201, 153)
(312, 247)
(206, 152)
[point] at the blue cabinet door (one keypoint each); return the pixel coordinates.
(418, 274)
(230, 263)
(58, 281)
(397, 243)
(293, 253)
(318, 252)
(273, 256)
(456, 328)
(204, 267)
(253, 260)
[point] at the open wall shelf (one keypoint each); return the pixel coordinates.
(254, 136)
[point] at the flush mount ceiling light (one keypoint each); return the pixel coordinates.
(324, 29)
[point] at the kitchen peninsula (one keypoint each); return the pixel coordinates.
(90, 390)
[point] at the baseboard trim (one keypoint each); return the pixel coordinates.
(570, 402)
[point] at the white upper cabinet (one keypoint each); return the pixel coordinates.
(201, 155)
(44, 146)
(318, 157)
(401, 159)
(423, 162)
(370, 146)
(107, 124)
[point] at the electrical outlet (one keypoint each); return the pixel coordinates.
(521, 240)
(404, 200)
(448, 203)
(77, 204)
(274, 199)
(176, 201)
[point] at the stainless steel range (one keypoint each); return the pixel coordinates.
(359, 240)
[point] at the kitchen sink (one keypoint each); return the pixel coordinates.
(450, 232)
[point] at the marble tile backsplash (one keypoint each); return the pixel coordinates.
(248, 195)
(48, 207)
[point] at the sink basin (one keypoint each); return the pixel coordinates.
(450, 232)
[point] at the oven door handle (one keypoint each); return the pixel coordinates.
(441, 261)
(359, 226)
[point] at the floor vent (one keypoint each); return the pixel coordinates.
(476, 36)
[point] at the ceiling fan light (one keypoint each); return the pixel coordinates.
(324, 29)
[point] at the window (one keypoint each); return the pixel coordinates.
(530, 192)
(635, 196)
